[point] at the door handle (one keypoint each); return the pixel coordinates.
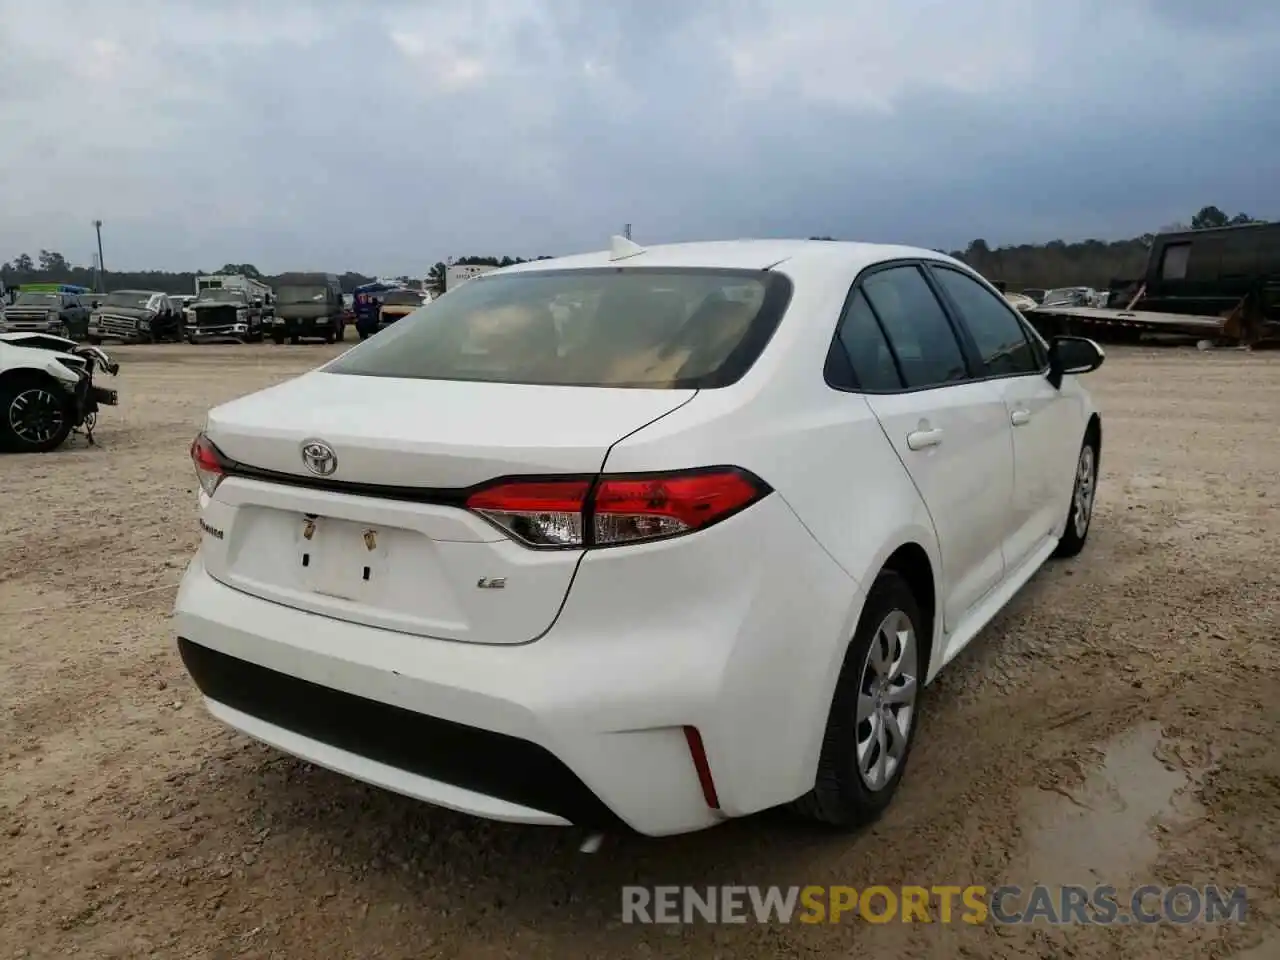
(919, 439)
(1020, 418)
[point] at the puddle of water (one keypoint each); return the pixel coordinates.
(1104, 830)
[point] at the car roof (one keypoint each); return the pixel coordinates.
(740, 255)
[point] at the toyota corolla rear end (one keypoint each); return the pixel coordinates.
(417, 568)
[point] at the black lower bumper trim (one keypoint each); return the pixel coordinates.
(495, 765)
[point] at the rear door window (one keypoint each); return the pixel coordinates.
(644, 327)
(996, 330)
(923, 341)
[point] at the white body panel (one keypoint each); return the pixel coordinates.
(15, 356)
(602, 656)
(955, 445)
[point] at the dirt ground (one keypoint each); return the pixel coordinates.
(1118, 724)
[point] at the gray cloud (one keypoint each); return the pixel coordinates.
(385, 135)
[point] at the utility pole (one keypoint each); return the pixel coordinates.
(102, 266)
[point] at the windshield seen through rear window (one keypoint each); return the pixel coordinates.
(127, 298)
(302, 294)
(639, 327)
(38, 300)
(222, 295)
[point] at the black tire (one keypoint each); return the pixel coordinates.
(840, 797)
(277, 339)
(295, 340)
(1076, 533)
(20, 387)
(330, 337)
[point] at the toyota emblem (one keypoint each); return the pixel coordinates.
(319, 458)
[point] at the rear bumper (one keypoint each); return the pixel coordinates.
(586, 725)
(456, 765)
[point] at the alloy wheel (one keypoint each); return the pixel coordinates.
(36, 415)
(1085, 484)
(887, 700)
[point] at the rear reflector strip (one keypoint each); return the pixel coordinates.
(702, 766)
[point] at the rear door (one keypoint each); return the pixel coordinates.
(950, 430)
(1044, 424)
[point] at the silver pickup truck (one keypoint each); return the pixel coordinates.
(225, 314)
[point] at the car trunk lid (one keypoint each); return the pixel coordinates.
(384, 538)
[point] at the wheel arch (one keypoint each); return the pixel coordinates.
(1093, 432)
(912, 563)
(28, 372)
(12, 379)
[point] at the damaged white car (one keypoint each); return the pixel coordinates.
(47, 390)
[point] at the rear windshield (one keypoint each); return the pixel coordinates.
(612, 327)
(310, 293)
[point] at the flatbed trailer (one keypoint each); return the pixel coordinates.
(1221, 285)
(1101, 323)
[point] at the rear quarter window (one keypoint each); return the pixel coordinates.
(923, 342)
(643, 327)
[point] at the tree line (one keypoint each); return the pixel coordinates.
(1089, 263)
(52, 267)
(1054, 264)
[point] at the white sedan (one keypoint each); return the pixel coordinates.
(686, 552)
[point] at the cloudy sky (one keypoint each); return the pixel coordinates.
(383, 135)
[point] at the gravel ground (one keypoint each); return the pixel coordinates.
(1118, 724)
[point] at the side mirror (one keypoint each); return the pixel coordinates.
(1072, 355)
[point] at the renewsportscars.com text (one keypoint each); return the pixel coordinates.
(974, 904)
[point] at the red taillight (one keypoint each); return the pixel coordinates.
(645, 508)
(208, 462)
(541, 513)
(616, 510)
